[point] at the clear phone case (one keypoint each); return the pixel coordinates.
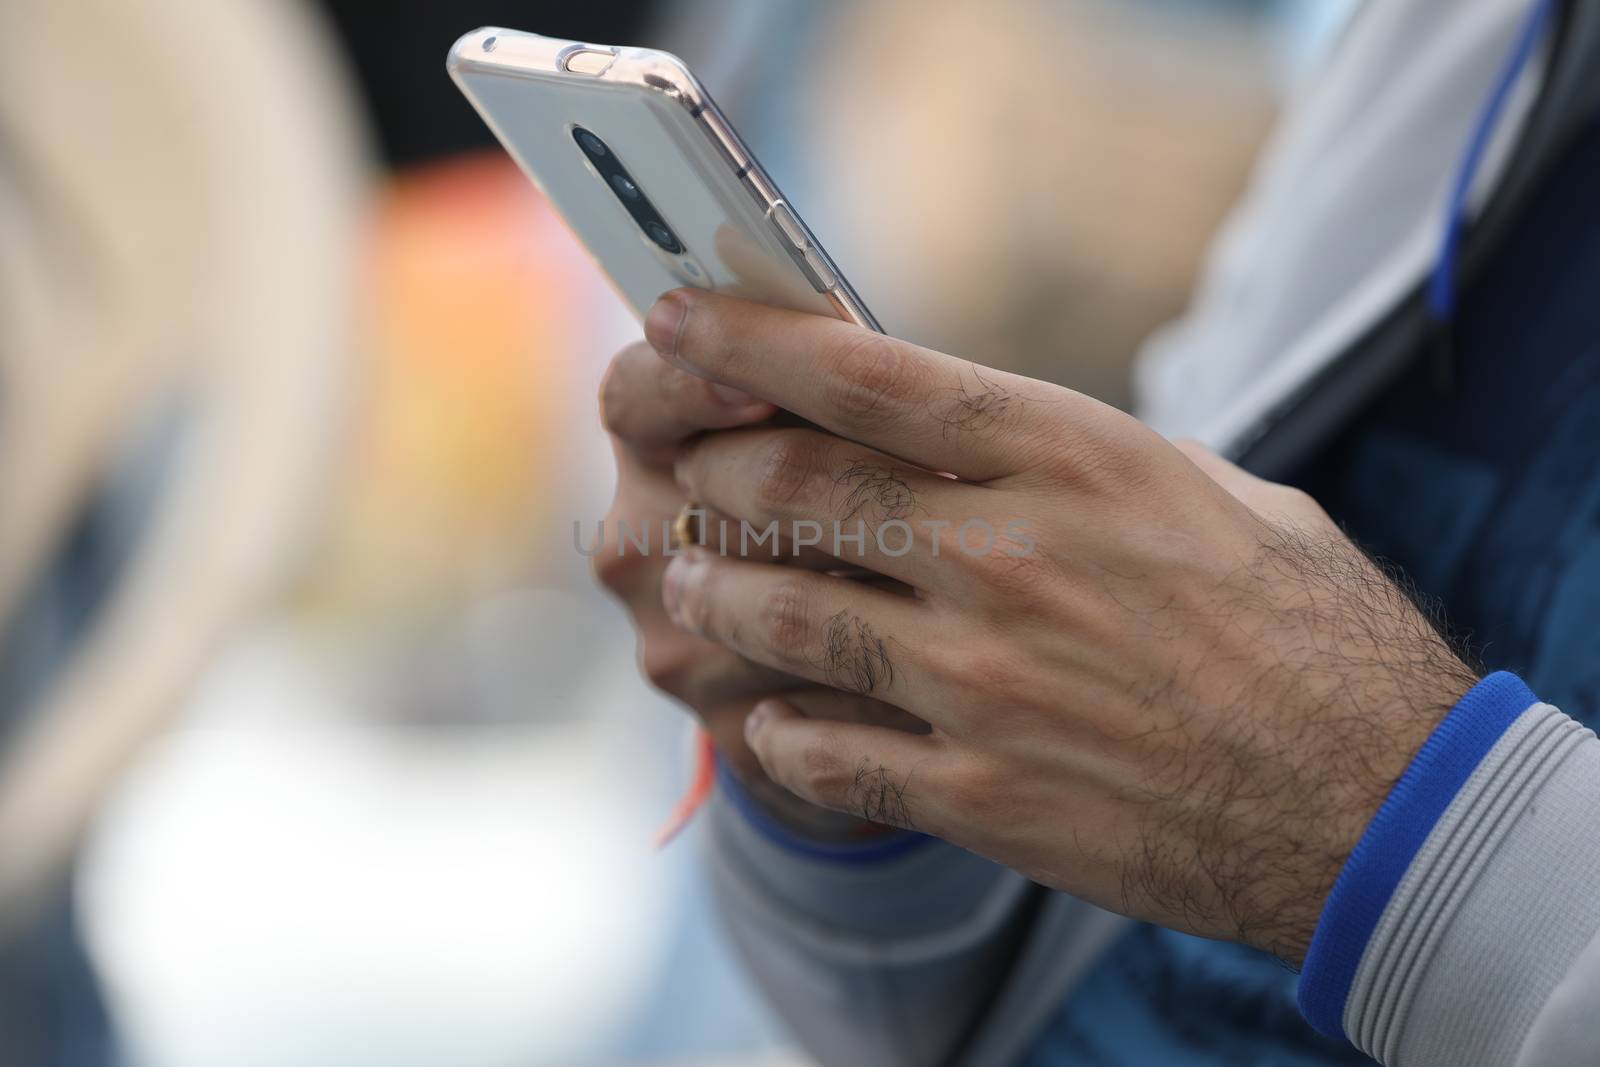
(730, 228)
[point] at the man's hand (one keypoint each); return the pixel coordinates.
(651, 410)
(1151, 680)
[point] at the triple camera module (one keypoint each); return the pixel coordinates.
(627, 190)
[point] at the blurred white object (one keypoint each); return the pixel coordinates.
(1345, 213)
(179, 193)
(281, 885)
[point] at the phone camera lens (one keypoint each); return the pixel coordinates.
(625, 186)
(591, 144)
(662, 236)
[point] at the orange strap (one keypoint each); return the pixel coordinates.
(699, 791)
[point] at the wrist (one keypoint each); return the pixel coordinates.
(1362, 679)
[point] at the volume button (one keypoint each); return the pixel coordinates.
(788, 225)
(819, 267)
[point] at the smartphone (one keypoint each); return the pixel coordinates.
(629, 148)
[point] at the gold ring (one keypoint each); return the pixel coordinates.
(686, 528)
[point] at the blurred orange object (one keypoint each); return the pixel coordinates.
(477, 292)
(699, 791)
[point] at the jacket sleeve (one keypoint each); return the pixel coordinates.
(885, 952)
(1462, 928)
(1567, 1028)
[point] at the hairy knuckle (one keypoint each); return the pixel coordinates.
(870, 375)
(865, 490)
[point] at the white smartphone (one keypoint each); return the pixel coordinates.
(629, 148)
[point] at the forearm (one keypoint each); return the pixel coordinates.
(1472, 897)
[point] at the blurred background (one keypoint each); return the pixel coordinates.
(316, 745)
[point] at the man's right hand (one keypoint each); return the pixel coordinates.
(651, 409)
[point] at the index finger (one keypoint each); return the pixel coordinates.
(931, 409)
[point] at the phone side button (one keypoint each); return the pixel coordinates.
(819, 267)
(788, 224)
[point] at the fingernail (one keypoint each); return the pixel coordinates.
(662, 325)
(682, 467)
(681, 575)
(734, 398)
(756, 721)
(672, 587)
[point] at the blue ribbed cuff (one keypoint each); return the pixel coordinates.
(876, 850)
(1391, 841)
